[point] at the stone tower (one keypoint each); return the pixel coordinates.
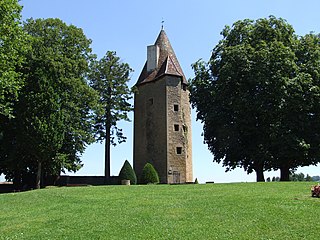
(162, 116)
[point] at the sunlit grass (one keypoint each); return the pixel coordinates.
(213, 211)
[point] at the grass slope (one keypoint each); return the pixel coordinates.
(212, 211)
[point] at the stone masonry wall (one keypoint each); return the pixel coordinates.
(179, 132)
(186, 110)
(160, 128)
(150, 128)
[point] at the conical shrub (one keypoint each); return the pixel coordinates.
(127, 173)
(149, 174)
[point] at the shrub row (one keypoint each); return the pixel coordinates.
(149, 174)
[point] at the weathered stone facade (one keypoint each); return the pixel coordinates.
(162, 116)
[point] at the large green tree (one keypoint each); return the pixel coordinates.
(257, 112)
(12, 48)
(54, 112)
(109, 77)
(295, 140)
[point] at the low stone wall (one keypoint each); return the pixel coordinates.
(6, 187)
(66, 180)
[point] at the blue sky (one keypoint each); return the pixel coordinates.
(193, 27)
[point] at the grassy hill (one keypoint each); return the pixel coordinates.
(212, 211)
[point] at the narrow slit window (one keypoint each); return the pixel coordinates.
(176, 127)
(176, 107)
(179, 150)
(151, 101)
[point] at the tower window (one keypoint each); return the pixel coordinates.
(179, 150)
(176, 107)
(151, 101)
(176, 127)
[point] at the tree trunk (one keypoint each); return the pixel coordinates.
(260, 175)
(107, 153)
(284, 173)
(107, 142)
(17, 181)
(38, 180)
(258, 167)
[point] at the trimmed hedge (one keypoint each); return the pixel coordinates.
(127, 173)
(196, 181)
(149, 174)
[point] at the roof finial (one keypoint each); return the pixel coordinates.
(162, 24)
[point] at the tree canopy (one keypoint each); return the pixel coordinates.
(53, 121)
(262, 83)
(13, 44)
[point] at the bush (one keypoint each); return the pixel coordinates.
(196, 181)
(149, 174)
(127, 173)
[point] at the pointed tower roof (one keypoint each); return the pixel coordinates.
(167, 62)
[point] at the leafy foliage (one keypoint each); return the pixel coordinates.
(127, 173)
(13, 44)
(109, 77)
(275, 179)
(300, 177)
(53, 115)
(263, 89)
(297, 177)
(149, 174)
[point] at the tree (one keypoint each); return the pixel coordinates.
(12, 48)
(127, 173)
(295, 142)
(308, 178)
(260, 99)
(109, 77)
(300, 177)
(149, 174)
(53, 115)
(297, 177)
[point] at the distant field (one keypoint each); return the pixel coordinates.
(213, 211)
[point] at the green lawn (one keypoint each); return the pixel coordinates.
(212, 211)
